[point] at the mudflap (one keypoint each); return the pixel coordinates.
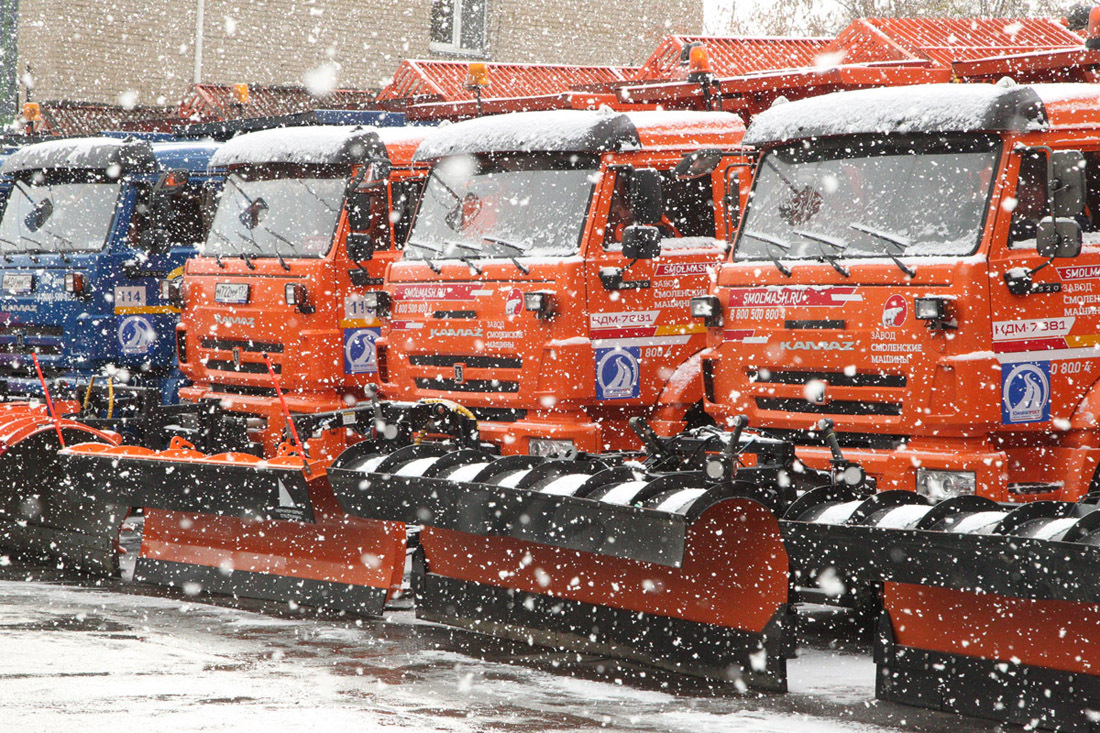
(1023, 661)
(238, 525)
(44, 515)
(722, 614)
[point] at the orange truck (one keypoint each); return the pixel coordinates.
(918, 267)
(310, 220)
(546, 279)
(950, 337)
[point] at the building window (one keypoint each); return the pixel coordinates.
(458, 27)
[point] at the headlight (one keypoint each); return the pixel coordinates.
(937, 485)
(930, 309)
(171, 292)
(377, 301)
(74, 283)
(547, 448)
(542, 303)
(709, 308)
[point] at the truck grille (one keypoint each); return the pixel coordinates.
(30, 329)
(498, 414)
(258, 347)
(469, 385)
(473, 362)
(243, 390)
(837, 379)
(832, 407)
(245, 367)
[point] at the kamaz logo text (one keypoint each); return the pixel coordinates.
(472, 332)
(818, 345)
(230, 320)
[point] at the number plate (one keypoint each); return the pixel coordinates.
(129, 296)
(231, 293)
(18, 282)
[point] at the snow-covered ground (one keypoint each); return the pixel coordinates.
(81, 658)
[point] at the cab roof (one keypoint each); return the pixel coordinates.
(581, 131)
(312, 145)
(94, 153)
(926, 108)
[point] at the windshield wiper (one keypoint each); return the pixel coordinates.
(890, 238)
(465, 260)
(36, 243)
(430, 248)
(4, 253)
(770, 242)
(838, 245)
(315, 195)
(281, 238)
(244, 255)
(505, 243)
(227, 240)
(64, 240)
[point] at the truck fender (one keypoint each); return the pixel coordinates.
(1087, 415)
(685, 387)
(680, 401)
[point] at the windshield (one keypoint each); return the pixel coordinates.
(504, 206)
(291, 217)
(870, 197)
(58, 217)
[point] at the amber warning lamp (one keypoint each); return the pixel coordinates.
(1092, 36)
(477, 78)
(698, 63)
(240, 93)
(33, 115)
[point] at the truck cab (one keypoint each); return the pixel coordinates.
(921, 266)
(91, 228)
(546, 279)
(307, 222)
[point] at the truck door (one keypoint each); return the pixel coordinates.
(639, 318)
(1045, 334)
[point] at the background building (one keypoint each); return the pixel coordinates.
(145, 52)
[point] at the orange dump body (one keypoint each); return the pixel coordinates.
(607, 351)
(1005, 387)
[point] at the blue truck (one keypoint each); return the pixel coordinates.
(92, 231)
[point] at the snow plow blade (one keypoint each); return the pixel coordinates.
(236, 524)
(182, 479)
(666, 570)
(43, 513)
(990, 610)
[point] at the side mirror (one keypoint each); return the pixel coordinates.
(1058, 238)
(360, 247)
(380, 170)
(156, 239)
(1066, 179)
(732, 202)
(698, 163)
(39, 215)
(647, 197)
(171, 182)
(641, 242)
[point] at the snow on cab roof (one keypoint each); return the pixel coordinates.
(602, 130)
(906, 109)
(308, 145)
(96, 153)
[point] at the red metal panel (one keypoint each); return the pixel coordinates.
(446, 80)
(74, 118)
(733, 56)
(206, 102)
(958, 39)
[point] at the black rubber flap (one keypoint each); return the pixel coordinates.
(569, 522)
